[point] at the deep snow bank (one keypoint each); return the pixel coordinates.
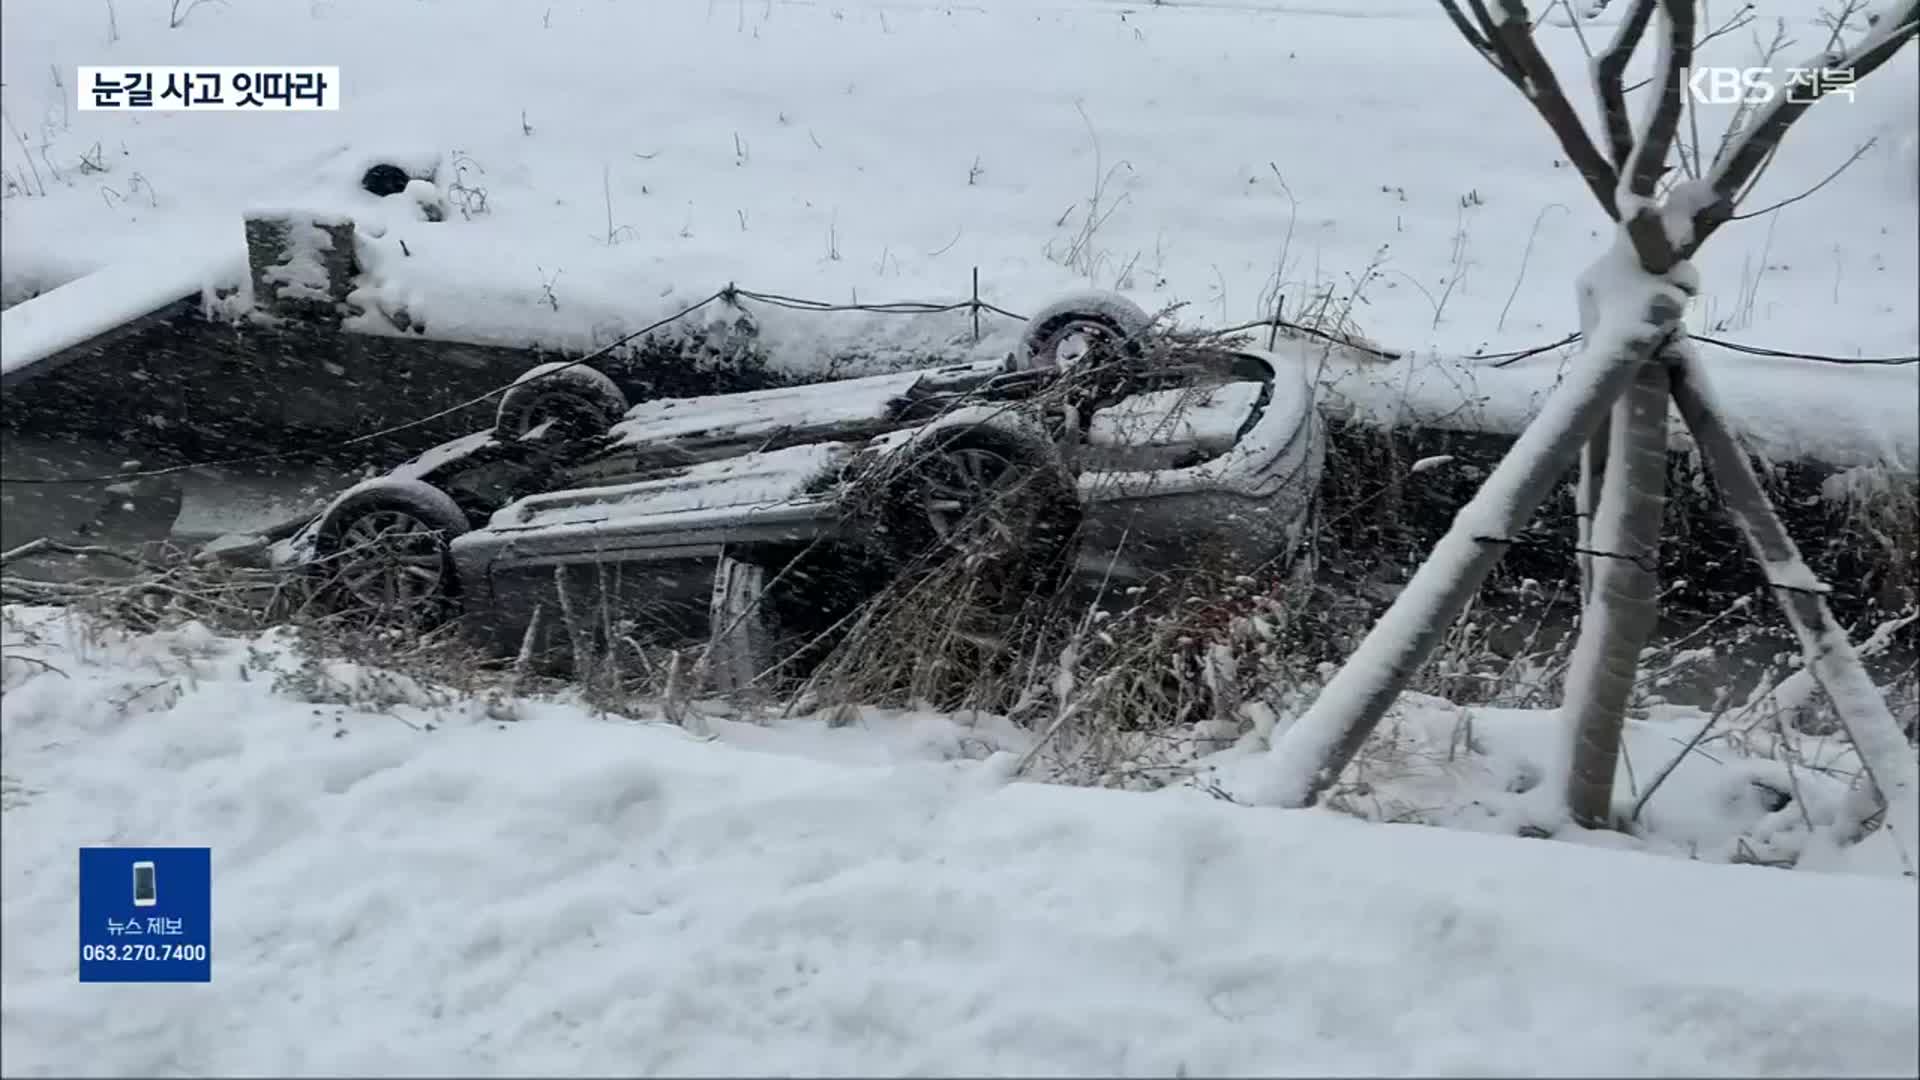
(578, 896)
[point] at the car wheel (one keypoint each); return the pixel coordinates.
(741, 642)
(984, 498)
(957, 487)
(382, 551)
(571, 400)
(1066, 331)
(979, 529)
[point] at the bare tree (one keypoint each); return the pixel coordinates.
(1610, 413)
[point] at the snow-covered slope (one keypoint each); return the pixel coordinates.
(567, 895)
(637, 154)
(409, 889)
(100, 301)
(604, 165)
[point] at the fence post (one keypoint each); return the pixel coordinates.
(975, 305)
(302, 265)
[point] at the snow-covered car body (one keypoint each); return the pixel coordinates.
(1212, 458)
(1226, 461)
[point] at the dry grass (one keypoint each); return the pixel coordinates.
(1125, 686)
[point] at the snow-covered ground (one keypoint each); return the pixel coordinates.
(412, 886)
(635, 156)
(605, 165)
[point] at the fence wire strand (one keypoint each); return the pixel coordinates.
(732, 295)
(314, 451)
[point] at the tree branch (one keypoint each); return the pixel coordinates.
(1830, 656)
(1609, 74)
(1512, 35)
(1757, 174)
(1474, 38)
(1313, 752)
(1740, 20)
(1831, 177)
(1573, 23)
(1652, 145)
(1737, 123)
(1889, 32)
(1490, 33)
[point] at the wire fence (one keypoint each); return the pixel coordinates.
(732, 295)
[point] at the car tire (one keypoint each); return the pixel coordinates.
(961, 590)
(579, 400)
(1067, 328)
(382, 551)
(743, 636)
(936, 504)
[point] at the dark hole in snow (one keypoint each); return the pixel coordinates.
(1771, 797)
(384, 180)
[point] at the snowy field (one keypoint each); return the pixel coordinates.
(414, 886)
(637, 156)
(603, 166)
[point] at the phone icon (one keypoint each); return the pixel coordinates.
(144, 893)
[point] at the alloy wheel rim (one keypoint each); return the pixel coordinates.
(1073, 342)
(960, 490)
(394, 560)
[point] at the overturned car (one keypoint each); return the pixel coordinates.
(758, 521)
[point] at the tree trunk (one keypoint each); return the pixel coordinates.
(1311, 754)
(1593, 469)
(1623, 606)
(1586, 502)
(1884, 752)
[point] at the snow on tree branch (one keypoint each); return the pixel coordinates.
(1654, 141)
(1632, 313)
(1889, 29)
(1609, 80)
(1626, 178)
(1647, 161)
(1884, 752)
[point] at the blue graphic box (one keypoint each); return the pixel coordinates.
(146, 914)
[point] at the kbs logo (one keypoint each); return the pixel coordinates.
(1757, 85)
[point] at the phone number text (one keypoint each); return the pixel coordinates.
(142, 951)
